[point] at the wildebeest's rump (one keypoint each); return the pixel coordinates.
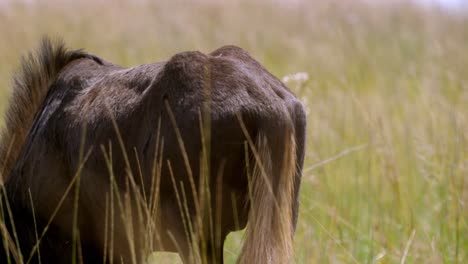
(104, 164)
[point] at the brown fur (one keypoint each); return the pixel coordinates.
(160, 156)
(30, 87)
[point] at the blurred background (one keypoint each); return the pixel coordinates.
(384, 83)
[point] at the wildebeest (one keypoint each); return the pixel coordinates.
(104, 164)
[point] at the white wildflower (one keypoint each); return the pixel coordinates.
(300, 77)
(297, 82)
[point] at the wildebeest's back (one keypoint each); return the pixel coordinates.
(226, 84)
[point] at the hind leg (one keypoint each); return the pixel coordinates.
(213, 252)
(209, 252)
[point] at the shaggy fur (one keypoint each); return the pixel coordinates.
(107, 163)
(30, 86)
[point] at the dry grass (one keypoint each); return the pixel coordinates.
(391, 81)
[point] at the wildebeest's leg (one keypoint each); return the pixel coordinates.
(54, 247)
(210, 252)
(213, 253)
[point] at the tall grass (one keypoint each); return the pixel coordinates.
(386, 173)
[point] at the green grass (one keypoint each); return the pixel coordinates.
(386, 173)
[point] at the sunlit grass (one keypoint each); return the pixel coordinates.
(387, 88)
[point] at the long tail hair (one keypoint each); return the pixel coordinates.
(269, 235)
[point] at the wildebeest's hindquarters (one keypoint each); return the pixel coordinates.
(183, 124)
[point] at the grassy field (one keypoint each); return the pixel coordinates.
(386, 93)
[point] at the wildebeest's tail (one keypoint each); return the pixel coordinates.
(269, 234)
(30, 87)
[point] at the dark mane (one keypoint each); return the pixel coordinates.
(30, 87)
